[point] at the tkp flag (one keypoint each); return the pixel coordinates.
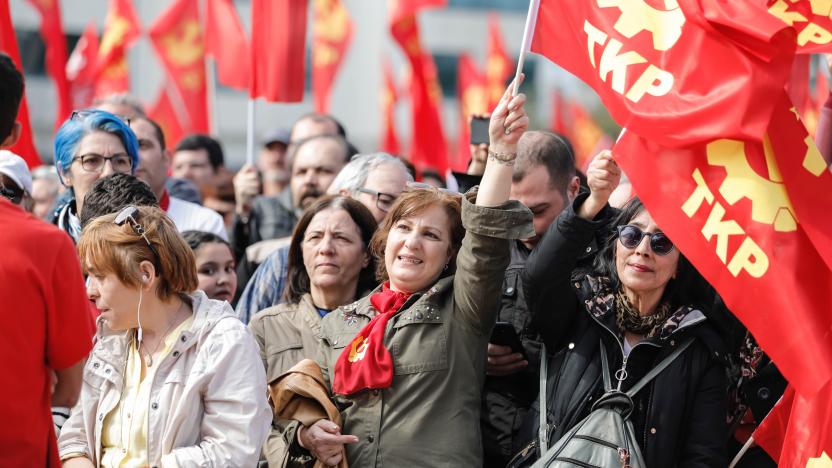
(674, 71)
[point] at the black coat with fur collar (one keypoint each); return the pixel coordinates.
(680, 418)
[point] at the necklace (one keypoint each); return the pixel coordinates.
(148, 357)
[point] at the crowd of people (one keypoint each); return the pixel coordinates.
(323, 307)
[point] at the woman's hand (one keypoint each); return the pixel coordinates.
(602, 177)
(324, 440)
(508, 121)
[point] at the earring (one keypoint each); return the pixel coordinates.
(445, 268)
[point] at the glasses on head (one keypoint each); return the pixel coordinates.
(95, 162)
(384, 201)
(130, 215)
(631, 236)
(84, 113)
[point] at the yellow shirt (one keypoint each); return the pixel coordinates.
(124, 430)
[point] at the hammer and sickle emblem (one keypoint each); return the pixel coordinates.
(358, 348)
(184, 45)
(637, 15)
(770, 203)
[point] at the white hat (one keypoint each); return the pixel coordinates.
(15, 167)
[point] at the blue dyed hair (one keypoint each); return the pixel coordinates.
(84, 123)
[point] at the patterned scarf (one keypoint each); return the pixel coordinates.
(628, 318)
(366, 363)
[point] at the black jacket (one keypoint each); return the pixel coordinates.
(271, 218)
(680, 417)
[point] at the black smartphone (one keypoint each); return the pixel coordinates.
(504, 334)
(479, 130)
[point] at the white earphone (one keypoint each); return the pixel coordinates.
(145, 279)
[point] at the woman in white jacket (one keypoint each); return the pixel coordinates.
(174, 379)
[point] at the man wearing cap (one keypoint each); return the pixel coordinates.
(15, 180)
(272, 162)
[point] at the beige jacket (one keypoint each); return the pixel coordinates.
(208, 406)
(302, 395)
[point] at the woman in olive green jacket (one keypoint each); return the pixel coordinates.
(329, 262)
(406, 364)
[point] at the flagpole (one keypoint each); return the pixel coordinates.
(250, 132)
(742, 451)
(528, 32)
(210, 81)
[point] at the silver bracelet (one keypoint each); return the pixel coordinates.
(506, 159)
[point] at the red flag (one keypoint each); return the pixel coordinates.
(225, 41)
(725, 205)
(25, 146)
(52, 32)
(638, 59)
(586, 134)
(428, 148)
(798, 89)
(821, 88)
(389, 97)
(498, 66)
(278, 50)
(811, 20)
(177, 37)
(166, 115)
(81, 68)
(559, 116)
(798, 430)
(473, 99)
(121, 28)
(332, 34)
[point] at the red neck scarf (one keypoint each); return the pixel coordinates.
(164, 203)
(366, 363)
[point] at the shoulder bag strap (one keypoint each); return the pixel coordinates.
(543, 427)
(605, 367)
(659, 368)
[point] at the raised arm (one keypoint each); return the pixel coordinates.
(547, 278)
(491, 222)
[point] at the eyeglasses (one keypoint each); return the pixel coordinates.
(384, 201)
(631, 236)
(130, 214)
(95, 162)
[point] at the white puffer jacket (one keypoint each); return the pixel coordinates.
(208, 404)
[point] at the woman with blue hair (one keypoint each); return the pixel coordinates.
(90, 145)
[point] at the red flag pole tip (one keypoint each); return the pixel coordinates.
(528, 33)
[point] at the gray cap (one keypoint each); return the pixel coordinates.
(280, 135)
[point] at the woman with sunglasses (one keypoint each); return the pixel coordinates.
(641, 299)
(406, 363)
(90, 145)
(174, 379)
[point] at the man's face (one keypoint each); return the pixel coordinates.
(193, 165)
(153, 161)
(386, 182)
(535, 190)
(43, 193)
(315, 165)
(272, 157)
(308, 128)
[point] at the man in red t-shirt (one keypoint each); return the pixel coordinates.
(47, 330)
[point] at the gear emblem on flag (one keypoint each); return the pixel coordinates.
(637, 15)
(770, 203)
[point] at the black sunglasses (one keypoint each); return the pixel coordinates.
(631, 236)
(130, 215)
